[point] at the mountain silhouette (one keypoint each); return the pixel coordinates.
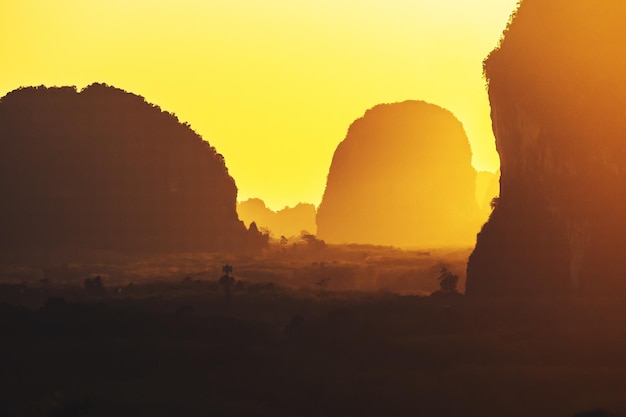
(288, 222)
(104, 169)
(402, 177)
(557, 93)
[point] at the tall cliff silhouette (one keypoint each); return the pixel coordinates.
(557, 92)
(103, 169)
(288, 222)
(401, 177)
(487, 188)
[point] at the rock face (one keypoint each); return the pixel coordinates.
(288, 222)
(487, 188)
(557, 92)
(402, 177)
(103, 169)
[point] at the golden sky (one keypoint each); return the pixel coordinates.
(272, 84)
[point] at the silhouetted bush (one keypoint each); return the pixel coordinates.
(257, 238)
(447, 280)
(312, 241)
(94, 286)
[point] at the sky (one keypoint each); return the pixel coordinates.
(272, 84)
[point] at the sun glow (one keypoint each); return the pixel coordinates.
(273, 85)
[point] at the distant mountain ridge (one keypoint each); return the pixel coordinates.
(288, 222)
(104, 169)
(402, 177)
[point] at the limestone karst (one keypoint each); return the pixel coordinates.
(103, 169)
(557, 93)
(288, 222)
(487, 188)
(402, 177)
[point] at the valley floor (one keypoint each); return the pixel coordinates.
(182, 347)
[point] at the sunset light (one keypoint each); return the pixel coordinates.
(327, 208)
(273, 85)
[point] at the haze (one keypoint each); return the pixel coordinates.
(273, 85)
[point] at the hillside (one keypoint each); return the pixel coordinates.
(402, 177)
(102, 169)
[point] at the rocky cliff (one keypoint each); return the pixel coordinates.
(487, 188)
(401, 177)
(104, 169)
(557, 92)
(288, 222)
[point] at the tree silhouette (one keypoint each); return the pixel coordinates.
(447, 280)
(227, 281)
(312, 241)
(494, 203)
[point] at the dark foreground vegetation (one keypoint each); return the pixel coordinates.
(182, 346)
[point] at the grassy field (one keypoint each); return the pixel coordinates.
(367, 342)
